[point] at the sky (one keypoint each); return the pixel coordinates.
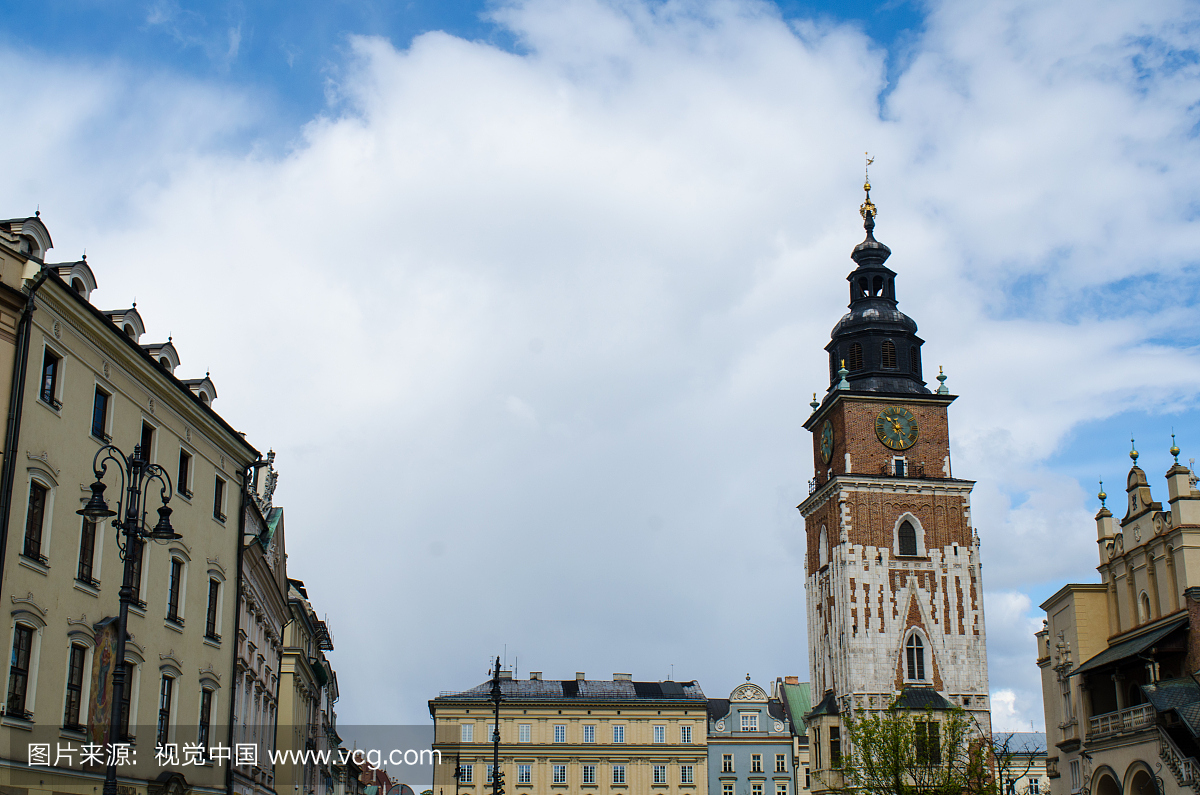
(530, 297)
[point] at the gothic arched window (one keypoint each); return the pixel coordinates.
(907, 539)
(915, 657)
(889, 354)
(914, 359)
(855, 361)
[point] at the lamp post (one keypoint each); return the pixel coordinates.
(497, 695)
(136, 474)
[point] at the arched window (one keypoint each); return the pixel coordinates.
(877, 287)
(907, 539)
(914, 360)
(914, 652)
(1144, 607)
(823, 551)
(855, 361)
(889, 355)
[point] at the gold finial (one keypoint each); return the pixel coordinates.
(868, 210)
(1174, 447)
(1102, 496)
(1133, 453)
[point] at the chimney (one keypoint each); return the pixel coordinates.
(535, 676)
(622, 677)
(1192, 599)
(580, 676)
(791, 680)
(506, 674)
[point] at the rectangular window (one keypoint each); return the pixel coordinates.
(139, 552)
(87, 552)
(164, 710)
(467, 733)
(589, 774)
(560, 774)
(618, 772)
(726, 763)
(756, 763)
(146, 445)
(35, 518)
(560, 733)
(899, 464)
(1075, 775)
(18, 671)
(660, 774)
(100, 415)
(219, 500)
(49, 393)
(210, 619)
(489, 774)
(685, 734)
(807, 779)
(175, 585)
(756, 788)
(74, 687)
(929, 745)
(524, 733)
(618, 733)
(727, 788)
(524, 774)
(816, 746)
(466, 774)
(686, 776)
(1035, 786)
(660, 734)
(589, 734)
(749, 721)
(780, 763)
(182, 479)
(126, 699)
(206, 697)
(835, 746)
(780, 788)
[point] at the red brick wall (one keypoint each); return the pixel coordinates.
(854, 431)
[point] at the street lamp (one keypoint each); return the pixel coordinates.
(496, 696)
(136, 474)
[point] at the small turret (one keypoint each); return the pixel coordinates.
(1104, 526)
(1184, 499)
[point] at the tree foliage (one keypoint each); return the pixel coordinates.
(905, 752)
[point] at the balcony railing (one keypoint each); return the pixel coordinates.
(1185, 768)
(1122, 721)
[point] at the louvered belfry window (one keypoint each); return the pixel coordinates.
(889, 355)
(856, 360)
(914, 359)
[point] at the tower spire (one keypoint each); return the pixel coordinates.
(868, 210)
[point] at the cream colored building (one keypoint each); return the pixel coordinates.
(307, 694)
(578, 735)
(1117, 657)
(84, 377)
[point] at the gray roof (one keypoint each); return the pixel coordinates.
(921, 698)
(1023, 742)
(1172, 693)
(828, 706)
(586, 689)
(1120, 651)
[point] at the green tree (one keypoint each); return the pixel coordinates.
(908, 752)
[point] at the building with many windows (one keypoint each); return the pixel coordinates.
(797, 702)
(750, 745)
(1118, 658)
(617, 736)
(75, 378)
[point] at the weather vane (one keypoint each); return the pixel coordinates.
(867, 210)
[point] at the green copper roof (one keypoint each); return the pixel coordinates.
(799, 701)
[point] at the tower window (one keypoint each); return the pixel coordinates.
(855, 360)
(914, 360)
(907, 539)
(889, 355)
(877, 287)
(915, 651)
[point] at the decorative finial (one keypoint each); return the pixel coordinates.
(206, 373)
(941, 377)
(1102, 496)
(747, 677)
(1174, 448)
(169, 338)
(38, 212)
(135, 303)
(842, 373)
(1133, 453)
(868, 210)
(816, 404)
(85, 255)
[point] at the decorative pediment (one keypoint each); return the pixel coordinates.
(748, 692)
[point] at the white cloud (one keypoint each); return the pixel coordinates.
(534, 334)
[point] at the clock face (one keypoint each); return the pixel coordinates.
(896, 427)
(827, 441)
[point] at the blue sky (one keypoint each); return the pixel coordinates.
(558, 278)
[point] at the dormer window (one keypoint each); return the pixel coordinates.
(130, 331)
(78, 286)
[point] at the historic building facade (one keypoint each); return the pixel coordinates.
(614, 737)
(307, 694)
(750, 744)
(894, 588)
(79, 378)
(1118, 657)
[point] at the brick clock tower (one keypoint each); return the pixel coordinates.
(895, 599)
